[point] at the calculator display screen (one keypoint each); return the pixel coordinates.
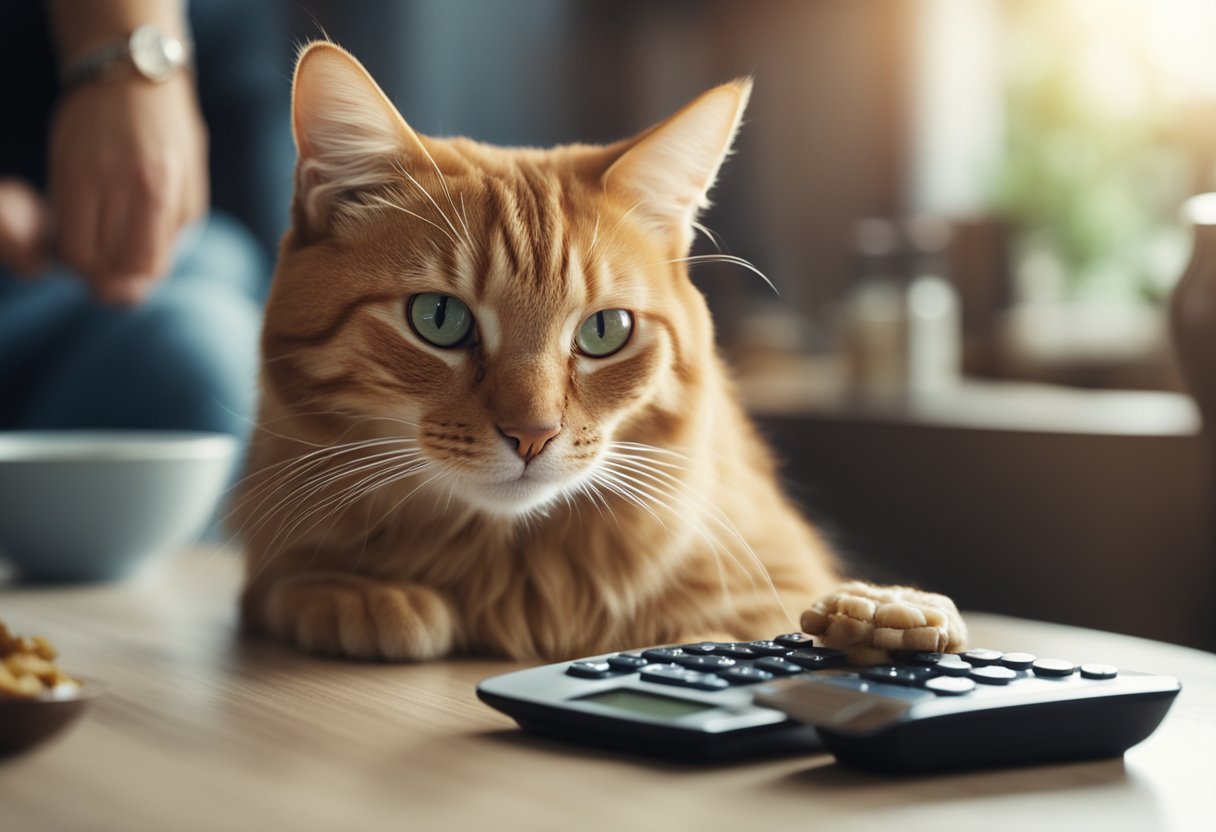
(650, 704)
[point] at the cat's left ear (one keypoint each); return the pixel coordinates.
(669, 169)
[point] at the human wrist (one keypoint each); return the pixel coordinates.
(94, 39)
(147, 54)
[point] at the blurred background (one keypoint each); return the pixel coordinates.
(970, 210)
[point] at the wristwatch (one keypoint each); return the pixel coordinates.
(154, 55)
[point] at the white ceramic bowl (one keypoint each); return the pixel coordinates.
(89, 506)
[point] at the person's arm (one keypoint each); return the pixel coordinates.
(128, 156)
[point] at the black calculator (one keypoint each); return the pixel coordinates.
(693, 701)
(716, 701)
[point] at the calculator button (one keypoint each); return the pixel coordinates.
(625, 662)
(709, 664)
(589, 670)
(908, 677)
(816, 658)
(1097, 670)
(742, 675)
(953, 665)
(949, 685)
(735, 651)
(1053, 667)
(703, 648)
(920, 658)
(779, 666)
(994, 675)
(1018, 661)
(662, 654)
(981, 658)
(767, 648)
(670, 674)
(795, 641)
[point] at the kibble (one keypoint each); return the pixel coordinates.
(871, 622)
(28, 669)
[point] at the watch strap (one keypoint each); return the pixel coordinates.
(109, 56)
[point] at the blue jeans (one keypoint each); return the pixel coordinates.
(186, 359)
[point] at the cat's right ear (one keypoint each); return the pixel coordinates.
(667, 171)
(349, 137)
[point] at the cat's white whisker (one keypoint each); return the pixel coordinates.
(612, 234)
(279, 475)
(409, 176)
(386, 479)
(709, 234)
(378, 200)
(653, 480)
(725, 258)
(381, 480)
(297, 494)
(325, 452)
(587, 489)
(464, 219)
(288, 496)
(591, 490)
(653, 464)
(649, 449)
(716, 549)
(290, 505)
(595, 234)
(426, 481)
(610, 481)
(443, 182)
(655, 472)
(357, 420)
(343, 499)
(657, 496)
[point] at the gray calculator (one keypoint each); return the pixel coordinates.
(692, 701)
(715, 701)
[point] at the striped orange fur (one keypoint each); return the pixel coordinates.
(390, 510)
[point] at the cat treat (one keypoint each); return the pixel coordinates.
(871, 621)
(28, 669)
(493, 416)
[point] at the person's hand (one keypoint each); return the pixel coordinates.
(24, 228)
(128, 169)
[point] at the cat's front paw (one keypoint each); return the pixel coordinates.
(870, 621)
(358, 618)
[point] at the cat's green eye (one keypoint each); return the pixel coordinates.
(604, 333)
(440, 319)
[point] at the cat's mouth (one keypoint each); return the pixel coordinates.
(524, 493)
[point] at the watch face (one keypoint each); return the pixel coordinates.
(154, 53)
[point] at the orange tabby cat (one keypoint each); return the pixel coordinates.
(493, 419)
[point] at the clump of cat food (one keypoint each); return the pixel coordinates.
(28, 669)
(870, 622)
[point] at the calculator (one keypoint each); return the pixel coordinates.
(693, 701)
(717, 701)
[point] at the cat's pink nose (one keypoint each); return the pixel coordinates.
(529, 441)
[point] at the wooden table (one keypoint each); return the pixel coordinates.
(200, 729)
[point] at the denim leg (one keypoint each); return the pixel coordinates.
(186, 359)
(38, 320)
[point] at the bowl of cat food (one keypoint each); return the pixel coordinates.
(38, 699)
(83, 506)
